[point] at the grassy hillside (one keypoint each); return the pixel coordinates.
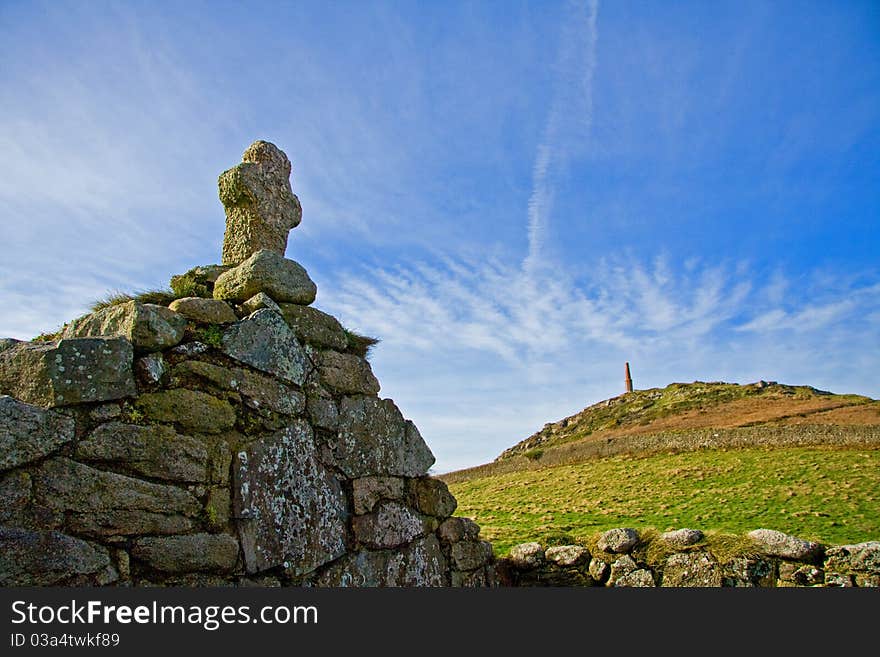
(714, 456)
(820, 493)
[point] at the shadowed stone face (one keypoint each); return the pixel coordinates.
(260, 206)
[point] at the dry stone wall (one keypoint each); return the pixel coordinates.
(234, 437)
(682, 558)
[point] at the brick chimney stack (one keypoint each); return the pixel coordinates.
(629, 381)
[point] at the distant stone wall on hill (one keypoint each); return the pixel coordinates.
(229, 434)
(681, 558)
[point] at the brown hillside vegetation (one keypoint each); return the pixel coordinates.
(684, 417)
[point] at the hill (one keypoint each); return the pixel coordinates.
(718, 456)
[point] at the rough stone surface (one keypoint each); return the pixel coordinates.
(147, 326)
(599, 570)
(193, 410)
(28, 433)
(261, 300)
(203, 274)
(470, 555)
(744, 572)
(180, 554)
(391, 525)
(154, 451)
(359, 569)
(285, 281)
(800, 575)
(150, 369)
(848, 564)
(367, 491)
(15, 494)
(374, 439)
(206, 311)
(50, 558)
(694, 569)
(457, 529)
(526, 555)
(622, 566)
(567, 555)
(681, 538)
(322, 409)
(421, 563)
(101, 503)
(641, 578)
(68, 371)
(777, 544)
(264, 341)
(619, 540)
(259, 391)
(191, 349)
(260, 205)
(314, 327)
(290, 509)
(347, 374)
(432, 497)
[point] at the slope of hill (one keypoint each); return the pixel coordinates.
(717, 456)
(698, 405)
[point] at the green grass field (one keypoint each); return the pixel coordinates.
(827, 494)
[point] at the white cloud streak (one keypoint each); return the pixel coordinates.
(480, 355)
(568, 121)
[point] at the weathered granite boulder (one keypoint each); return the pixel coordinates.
(98, 503)
(681, 538)
(265, 342)
(470, 555)
(641, 578)
(392, 524)
(259, 391)
(181, 554)
(622, 566)
(421, 563)
(567, 556)
(155, 451)
(744, 572)
(599, 570)
(285, 281)
(457, 529)
(859, 564)
(432, 497)
(347, 374)
(291, 510)
(192, 410)
(150, 369)
(260, 205)
(50, 558)
(147, 326)
(206, 311)
(314, 327)
(620, 540)
(367, 491)
(526, 556)
(693, 569)
(374, 439)
(68, 371)
(322, 409)
(777, 544)
(28, 433)
(261, 300)
(796, 574)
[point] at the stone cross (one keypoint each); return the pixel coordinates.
(260, 206)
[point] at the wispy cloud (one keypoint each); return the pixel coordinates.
(568, 120)
(481, 355)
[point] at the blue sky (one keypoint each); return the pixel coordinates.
(517, 197)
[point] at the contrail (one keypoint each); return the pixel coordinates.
(571, 111)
